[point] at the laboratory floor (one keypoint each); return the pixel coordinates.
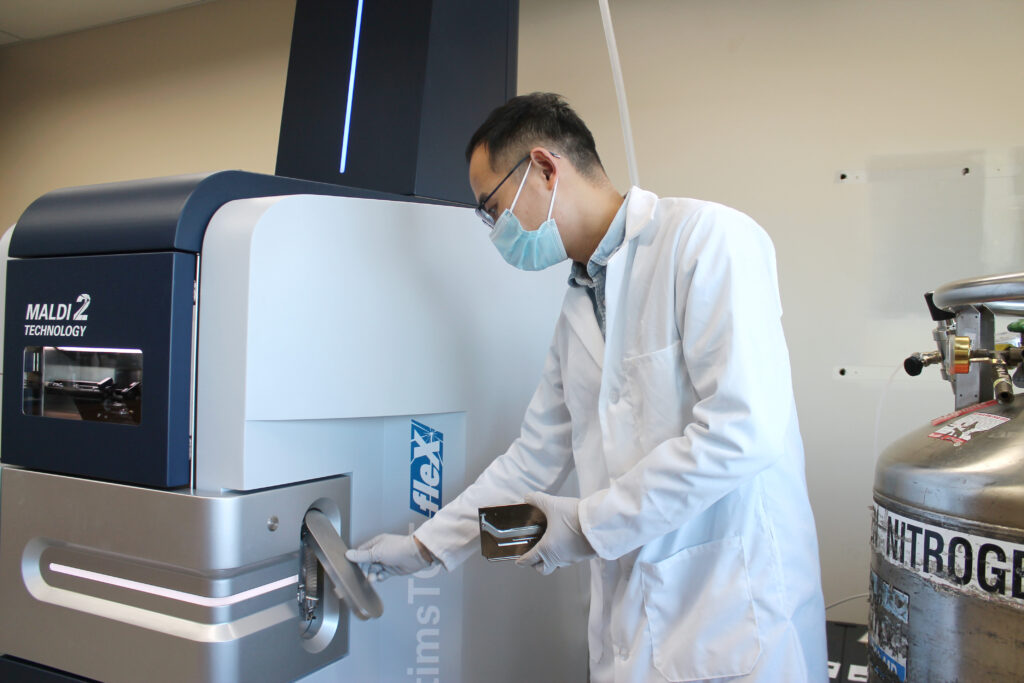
(847, 652)
(847, 659)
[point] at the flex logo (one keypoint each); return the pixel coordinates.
(426, 462)
(60, 311)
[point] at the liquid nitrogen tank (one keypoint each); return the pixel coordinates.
(947, 539)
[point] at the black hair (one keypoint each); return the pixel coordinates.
(538, 118)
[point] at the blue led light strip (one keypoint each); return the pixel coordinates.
(351, 84)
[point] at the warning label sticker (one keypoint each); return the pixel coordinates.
(963, 411)
(963, 428)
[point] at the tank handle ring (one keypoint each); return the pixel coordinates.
(1001, 294)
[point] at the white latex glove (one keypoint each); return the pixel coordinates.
(389, 555)
(563, 542)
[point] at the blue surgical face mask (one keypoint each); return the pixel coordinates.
(528, 249)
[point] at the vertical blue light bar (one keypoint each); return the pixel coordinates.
(351, 84)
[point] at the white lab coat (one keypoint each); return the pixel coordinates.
(683, 432)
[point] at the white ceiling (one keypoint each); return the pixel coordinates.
(32, 19)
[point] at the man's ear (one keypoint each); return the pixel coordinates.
(547, 162)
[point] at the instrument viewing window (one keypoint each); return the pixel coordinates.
(82, 383)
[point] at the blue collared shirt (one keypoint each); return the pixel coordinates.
(592, 276)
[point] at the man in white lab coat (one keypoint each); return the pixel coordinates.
(667, 388)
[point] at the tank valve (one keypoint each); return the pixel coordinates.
(916, 363)
(961, 355)
(1002, 386)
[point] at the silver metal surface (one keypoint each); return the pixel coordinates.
(530, 530)
(977, 323)
(193, 368)
(348, 581)
(980, 480)
(1002, 387)
(1002, 294)
(310, 593)
(144, 584)
(951, 636)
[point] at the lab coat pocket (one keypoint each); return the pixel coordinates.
(656, 382)
(701, 612)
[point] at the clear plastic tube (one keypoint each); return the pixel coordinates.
(846, 599)
(620, 91)
(881, 406)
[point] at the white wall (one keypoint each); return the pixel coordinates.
(759, 104)
(192, 90)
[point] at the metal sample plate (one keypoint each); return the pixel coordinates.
(508, 531)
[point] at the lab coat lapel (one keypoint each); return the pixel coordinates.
(612, 294)
(639, 213)
(579, 312)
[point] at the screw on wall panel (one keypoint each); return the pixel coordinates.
(965, 171)
(272, 523)
(846, 177)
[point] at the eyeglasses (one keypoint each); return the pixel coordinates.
(482, 212)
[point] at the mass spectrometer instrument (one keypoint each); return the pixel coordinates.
(211, 384)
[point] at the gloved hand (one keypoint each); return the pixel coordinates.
(389, 555)
(563, 542)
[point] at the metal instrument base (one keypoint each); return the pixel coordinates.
(122, 583)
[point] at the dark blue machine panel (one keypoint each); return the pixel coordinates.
(156, 214)
(107, 395)
(82, 310)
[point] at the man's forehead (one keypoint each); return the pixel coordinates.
(482, 158)
(481, 174)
